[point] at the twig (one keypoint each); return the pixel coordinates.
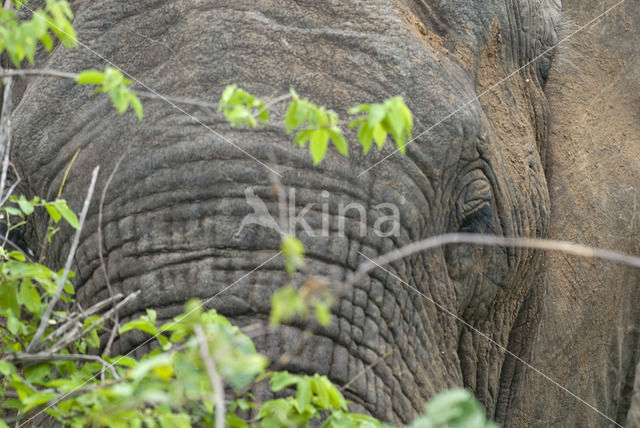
(488, 240)
(103, 264)
(176, 100)
(74, 245)
(31, 414)
(214, 377)
(26, 358)
(37, 72)
(272, 102)
(13, 186)
(288, 355)
(70, 338)
(369, 367)
(76, 317)
(5, 131)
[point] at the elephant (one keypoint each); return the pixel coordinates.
(497, 150)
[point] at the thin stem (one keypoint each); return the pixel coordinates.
(27, 358)
(214, 377)
(37, 72)
(488, 240)
(174, 99)
(74, 245)
(5, 131)
(70, 338)
(103, 264)
(366, 369)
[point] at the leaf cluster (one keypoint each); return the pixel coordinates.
(115, 84)
(19, 38)
(242, 108)
(318, 126)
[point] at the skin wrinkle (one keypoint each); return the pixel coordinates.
(420, 177)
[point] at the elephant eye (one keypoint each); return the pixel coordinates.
(479, 220)
(474, 213)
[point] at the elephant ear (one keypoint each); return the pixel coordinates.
(590, 307)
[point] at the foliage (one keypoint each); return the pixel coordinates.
(241, 108)
(168, 386)
(317, 126)
(391, 117)
(113, 82)
(19, 38)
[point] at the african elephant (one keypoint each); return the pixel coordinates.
(473, 73)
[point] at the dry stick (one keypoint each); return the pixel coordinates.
(174, 99)
(369, 367)
(141, 94)
(479, 239)
(103, 264)
(214, 377)
(5, 131)
(37, 72)
(70, 338)
(74, 245)
(34, 412)
(26, 358)
(489, 240)
(75, 318)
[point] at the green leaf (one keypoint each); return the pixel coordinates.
(37, 372)
(53, 212)
(293, 252)
(37, 399)
(234, 421)
(303, 394)
(365, 136)
(376, 114)
(319, 144)
(290, 119)
(47, 41)
(90, 77)
(281, 380)
(30, 296)
(226, 95)
(17, 255)
(9, 294)
(379, 135)
(359, 109)
(13, 211)
(339, 141)
(25, 205)
(6, 368)
(66, 213)
(323, 313)
(144, 367)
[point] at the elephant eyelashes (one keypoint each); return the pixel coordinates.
(478, 221)
(461, 258)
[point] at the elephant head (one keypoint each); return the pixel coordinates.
(473, 74)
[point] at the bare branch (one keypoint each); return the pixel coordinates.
(488, 240)
(214, 377)
(73, 336)
(74, 245)
(27, 358)
(103, 264)
(366, 369)
(5, 131)
(37, 72)
(12, 188)
(176, 100)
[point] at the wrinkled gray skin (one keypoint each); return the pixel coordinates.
(173, 209)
